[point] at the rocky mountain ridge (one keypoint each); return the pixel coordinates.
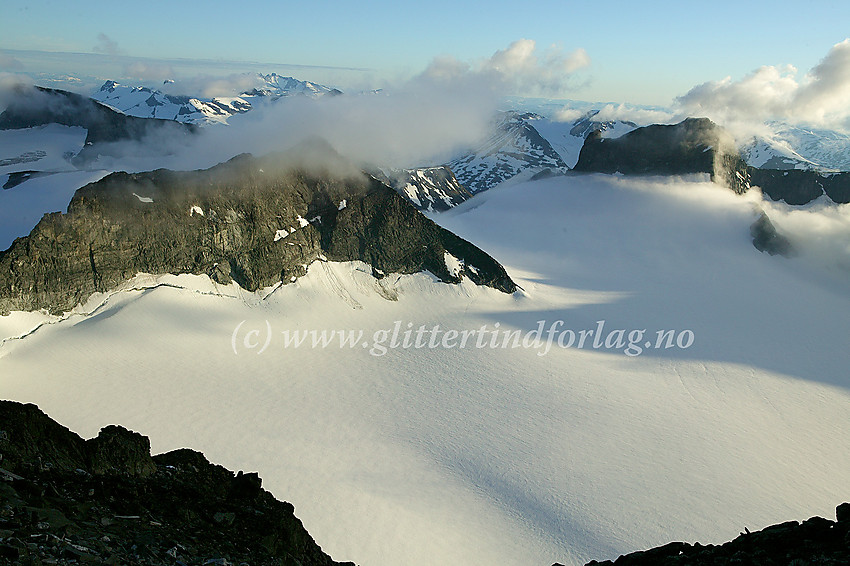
(256, 221)
(105, 500)
(814, 541)
(696, 145)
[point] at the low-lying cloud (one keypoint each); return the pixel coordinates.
(518, 69)
(9, 63)
(820, 231)
(820, 98)
(148, 70)
(106, 45)
(621, 112)
(423, 121)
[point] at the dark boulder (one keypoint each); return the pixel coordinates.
(118, 451)
(767, 239)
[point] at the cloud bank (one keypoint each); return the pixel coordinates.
(623, 112)
(423, 121)
(106, 45)
(820, 98)
(518, 69)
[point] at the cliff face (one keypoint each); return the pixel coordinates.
(696, 145)
(107, 501)
(801, 187)
(254, 221)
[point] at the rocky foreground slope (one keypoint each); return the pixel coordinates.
(816, 541)
(256, 221)
(65, 500)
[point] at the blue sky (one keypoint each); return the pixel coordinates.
(644, 53)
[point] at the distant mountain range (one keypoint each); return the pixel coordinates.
(145, 102)
(792, 147)
(517, 143)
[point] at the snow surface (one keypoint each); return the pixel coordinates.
(567, 144)
(453, 264)
(482, 456)
(45, 148)
(783, 146)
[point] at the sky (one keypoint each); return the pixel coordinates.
(645, 53)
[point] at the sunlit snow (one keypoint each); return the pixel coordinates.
(481, 456)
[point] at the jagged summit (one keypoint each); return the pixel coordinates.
(278, 85)
(513, 146)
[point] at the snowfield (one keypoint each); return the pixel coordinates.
(475, 456)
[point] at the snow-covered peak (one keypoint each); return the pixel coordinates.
(145, 102)
(275, 85)
(795, 147)
(513, 146)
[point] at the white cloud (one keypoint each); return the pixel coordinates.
(10, 63)
(640, 116)
(568, 115)
(148, 70)
(821, 97)
(106, 45)
(424, 121)
(212, 86)
(519, 69)
(820, 231)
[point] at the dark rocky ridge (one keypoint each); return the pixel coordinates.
(801, 187)
(696, 145)
(816, 541)
(65, 500)
(33, 106)
(111, 232)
